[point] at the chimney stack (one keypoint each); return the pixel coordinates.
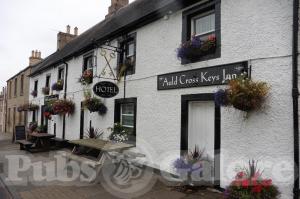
(115, 6)
(76, 31)
(35, 57)
(65, 37)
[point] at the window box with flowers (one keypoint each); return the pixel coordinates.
(58, 86)
(87, 77)
(201, 33)
(196, 48)
(46, 90)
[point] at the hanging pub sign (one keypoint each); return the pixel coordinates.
(50, 98)
(106, 89)
(216, 75)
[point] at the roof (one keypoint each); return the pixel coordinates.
(128, 18)
(23, 70)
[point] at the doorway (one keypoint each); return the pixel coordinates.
(200, 126)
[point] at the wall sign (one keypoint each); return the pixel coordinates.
(216, 75)
(50, 98)
(20, 133)
(106, 89)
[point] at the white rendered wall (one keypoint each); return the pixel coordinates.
(256, 31)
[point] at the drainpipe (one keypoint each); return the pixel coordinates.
(65, 96)
(295, 94)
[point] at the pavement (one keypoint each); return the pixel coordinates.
(43, 180)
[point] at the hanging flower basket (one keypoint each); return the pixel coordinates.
(48, 111)
(95, 105)
(58, 86)
(196, 48)
(87, 77)
(32, 107)
(21, 108)
(34, 93)
(46, 90)
(243, 94)
(63, 107)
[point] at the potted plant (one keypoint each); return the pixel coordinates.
(190, 162)
(249, 183)
(34, 93)
(92, 133)
(95, 105)
(119, 133)
(243, 94)
(21, 108)
(193, 49)
(58, 86)
(86, 77)
(46, 90)
(63, 107)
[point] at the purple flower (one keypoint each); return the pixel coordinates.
(221, 98)
(181, 164)
(195, 42)
(181, 52)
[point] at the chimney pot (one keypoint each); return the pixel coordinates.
(75, 31)
(35, 57)
(68, 29)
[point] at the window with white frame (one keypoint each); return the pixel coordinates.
(203, 25)
(88, 62)
(127, 115)
(61, 73)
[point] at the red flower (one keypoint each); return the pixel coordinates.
(267, 183)
(211, 37)
(257, 189)
(253, 181)
(240, 175)
(236, 183)
(245, 183)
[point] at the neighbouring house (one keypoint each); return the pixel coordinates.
(18, 94)
(2, 109)
(157, 65)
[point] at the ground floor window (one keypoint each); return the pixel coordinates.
(125, 114)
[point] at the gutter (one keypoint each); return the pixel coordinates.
(295, 95)
(65, 96)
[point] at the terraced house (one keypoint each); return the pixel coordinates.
(154, 65)
(18, 94)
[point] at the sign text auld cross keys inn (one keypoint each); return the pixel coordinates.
(216, 75)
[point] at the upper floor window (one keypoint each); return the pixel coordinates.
(16, 87)
(201, 35)
(61, 73)
(22, 85)
(36, 83)
(48, 78)
(203, 25)
(10, 89)
(128, 57)
(88, 62)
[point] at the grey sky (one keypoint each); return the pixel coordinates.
(33, 24)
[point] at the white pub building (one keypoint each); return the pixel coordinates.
(164, 94)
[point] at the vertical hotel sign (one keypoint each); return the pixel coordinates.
(216, 75)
